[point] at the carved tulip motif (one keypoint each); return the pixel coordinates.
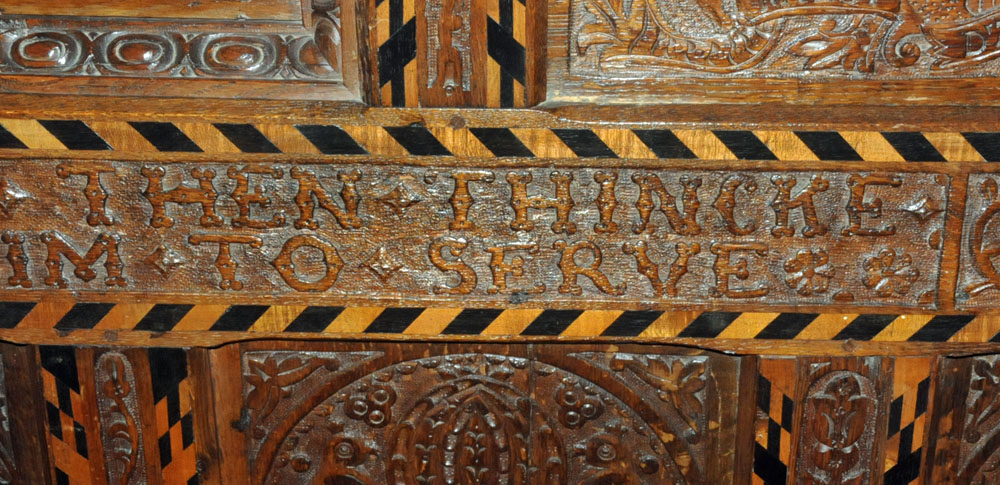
(839, 419)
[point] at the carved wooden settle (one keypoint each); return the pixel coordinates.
(499, 242)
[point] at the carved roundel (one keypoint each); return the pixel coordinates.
(471, 419)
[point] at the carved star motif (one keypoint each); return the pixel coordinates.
(924, 208)
(164, 260)
(11, 196)
(399, 199)
(382, 264)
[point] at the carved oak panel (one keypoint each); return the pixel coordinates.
(488, 414)
(487, 235)
(164, 47)
(624, 51)
(828, 39)
(979, 279)
(965, 440)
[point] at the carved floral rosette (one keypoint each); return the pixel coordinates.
(349, 418)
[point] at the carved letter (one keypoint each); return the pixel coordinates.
(983, 255)
(243, 196)
(224, 261)
(17, 258)
(724, 269)
(679, 267)
(571, 271)
(466, 276)
(645, 265)
(606, 202)
(974, 50)
(331, 259)
(783, 205)
(204, 194)
(310, 186)
(461, 200)
(562, 203)
(650, 185)
(57, 246)
(96, 196)
(725, 203)
(501, 268)
(856, 206)
(651, 270)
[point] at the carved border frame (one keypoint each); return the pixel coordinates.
(310, 59)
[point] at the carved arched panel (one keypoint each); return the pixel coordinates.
(487, 415)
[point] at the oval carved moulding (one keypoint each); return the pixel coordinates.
(45, 51)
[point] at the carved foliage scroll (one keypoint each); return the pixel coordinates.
(880, 39)
(482, 417)
(118, 409)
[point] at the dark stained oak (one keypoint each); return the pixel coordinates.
(499, 242)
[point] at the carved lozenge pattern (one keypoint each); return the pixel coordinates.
(477, 234)
(477, 418)
(756, 38)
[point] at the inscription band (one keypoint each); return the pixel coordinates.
(481, 236)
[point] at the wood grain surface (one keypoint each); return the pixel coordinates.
(289, 412)
(172, 9)
(685, 242)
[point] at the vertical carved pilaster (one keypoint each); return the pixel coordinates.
(842, 429)
(118, 410)
(965, 426)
